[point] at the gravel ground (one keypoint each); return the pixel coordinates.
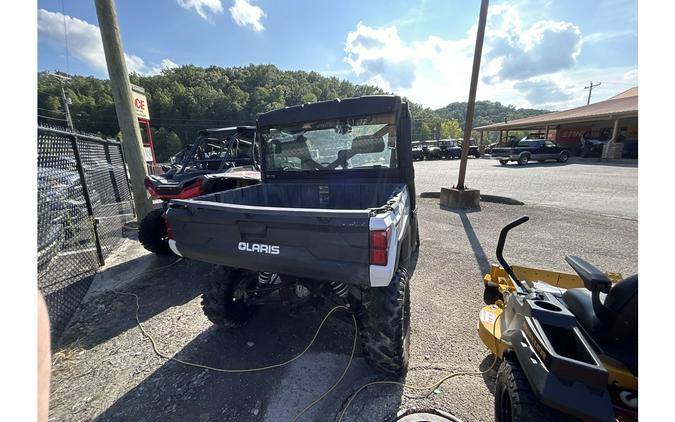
(108, 371)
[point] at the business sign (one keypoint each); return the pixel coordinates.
(148, 154)
(573, 133)
(140, 102)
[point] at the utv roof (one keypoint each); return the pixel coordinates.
(226, 131)
(334, 109)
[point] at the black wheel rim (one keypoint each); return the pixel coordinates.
(505, 406)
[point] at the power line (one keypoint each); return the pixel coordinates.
(51, 111)
(65, 35)
(590, 90)
(51, 118)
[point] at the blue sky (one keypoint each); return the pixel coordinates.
(537, 53)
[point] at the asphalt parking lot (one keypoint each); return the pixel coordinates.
(108, 371)
(586, 185)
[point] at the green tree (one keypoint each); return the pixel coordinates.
(166, 144)
(451, 129)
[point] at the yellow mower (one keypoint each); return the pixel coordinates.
(567, 342)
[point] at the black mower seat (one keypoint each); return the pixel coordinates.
(616, 330)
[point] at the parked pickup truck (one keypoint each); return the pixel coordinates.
(527, 150)
(333, 220)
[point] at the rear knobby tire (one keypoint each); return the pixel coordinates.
(384, 325)
(152, 233)
(514, 399)
(224, 300)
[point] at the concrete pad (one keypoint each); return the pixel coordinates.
(463, 199)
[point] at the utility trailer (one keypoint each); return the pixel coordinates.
(333, 220)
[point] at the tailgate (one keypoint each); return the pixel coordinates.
(322, 244)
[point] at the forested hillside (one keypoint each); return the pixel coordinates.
(189, 98)
(487, 112)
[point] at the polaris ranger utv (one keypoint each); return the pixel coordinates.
(219, 159)
(334, 221)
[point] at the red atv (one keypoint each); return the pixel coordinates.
(219, 160)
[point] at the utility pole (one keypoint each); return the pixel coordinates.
(62, 79)
(471, 105)
(126, 117)
(590, 90)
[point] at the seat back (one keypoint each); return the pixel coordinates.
(622, 304)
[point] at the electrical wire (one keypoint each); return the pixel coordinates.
(248, 370)
(430, 387)
(65, 36)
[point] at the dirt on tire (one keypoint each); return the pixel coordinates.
(384, 325)
(219, 301)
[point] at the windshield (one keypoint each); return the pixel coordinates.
(361, 143)
(447, 143)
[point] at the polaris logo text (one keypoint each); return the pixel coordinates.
(259, 247)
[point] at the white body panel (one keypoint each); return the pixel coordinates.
(397, 219)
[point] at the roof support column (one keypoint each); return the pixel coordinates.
(609, 152)
(481, 146)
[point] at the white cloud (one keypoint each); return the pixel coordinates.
(84, 39)
(84, 42)
(522, 52)
(527, 65)
(202, 7)
(245, 14)
(164, 65)
(379, 56)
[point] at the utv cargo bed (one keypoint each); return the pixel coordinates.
(309, 230)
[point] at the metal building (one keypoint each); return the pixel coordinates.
(615, 120)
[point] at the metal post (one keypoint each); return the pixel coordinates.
(471, 105)
(610, 144)
(481, 146)
(126, 175)
(126, 117)
(62, 78)
(87, 199)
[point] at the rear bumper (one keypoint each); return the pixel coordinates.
(504, 157)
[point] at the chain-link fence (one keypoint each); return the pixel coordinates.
(84, 201)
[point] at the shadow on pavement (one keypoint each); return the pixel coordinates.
(490, 376)
(107, 315)
(478, 252)
(179, 392)
(531, 164)
(572, 161)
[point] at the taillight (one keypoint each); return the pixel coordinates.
(151, 189)
(379, 247)
(190, 191)
(169, 231)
